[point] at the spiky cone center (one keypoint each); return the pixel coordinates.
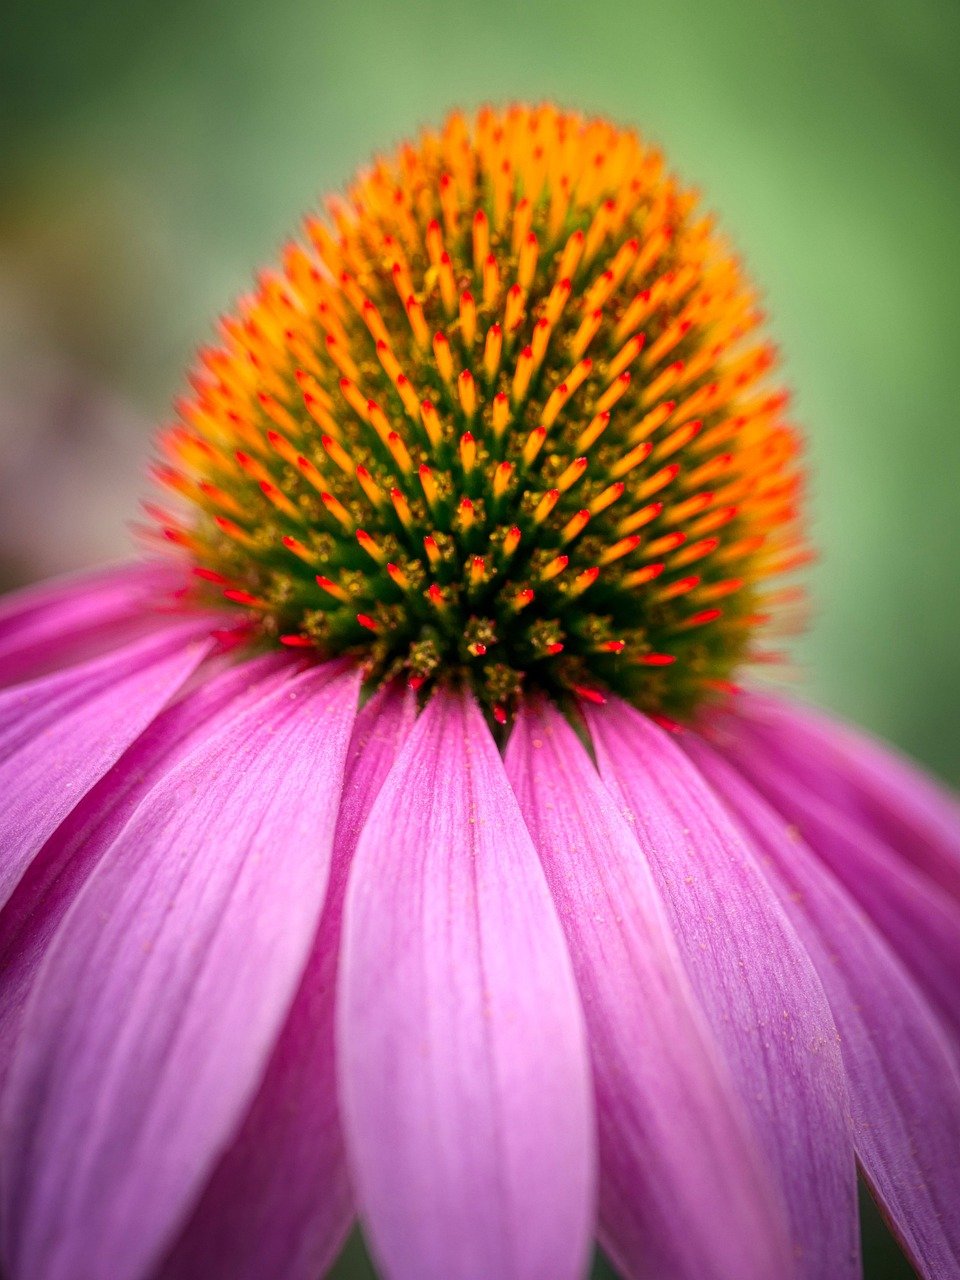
(503, 418)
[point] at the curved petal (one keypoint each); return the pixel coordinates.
(463, 1069)
(51, 883)
(279, 1202)
(683, 1191)
(60, 734)
(46, 626)
(919, 919)
(753, 978)
(902, 806)
(162, 995)
(904, 1084)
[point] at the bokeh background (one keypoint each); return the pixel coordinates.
(153, 155)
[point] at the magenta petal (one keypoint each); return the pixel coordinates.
(683, 1192)
(919, 918)
(907, 810)
(754, 980)
(279, 1202)
(161, 998)
(71, 618)
(904, 1084)
(60, 869)
(464, 1079)
(60, 734)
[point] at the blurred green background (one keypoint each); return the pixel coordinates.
(154, 155)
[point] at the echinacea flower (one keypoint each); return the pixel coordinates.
(401, 846)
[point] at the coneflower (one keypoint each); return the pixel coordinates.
(402, 844)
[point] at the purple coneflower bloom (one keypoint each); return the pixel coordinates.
(400, 847)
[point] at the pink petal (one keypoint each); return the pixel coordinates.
(72, 618)
(463, 1075)
(905, 809)
(50, 884)
(919, 918)
(683, 1192)
(60, 734)
(904, 1084)
(164, 991)
(279, 1203)
(753, 978)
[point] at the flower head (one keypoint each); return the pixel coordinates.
(504, 419)
(275, 954)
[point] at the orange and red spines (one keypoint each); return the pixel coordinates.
(730, 442)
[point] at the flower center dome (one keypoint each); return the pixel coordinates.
(503, 417)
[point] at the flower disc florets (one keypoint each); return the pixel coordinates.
(502, 419)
